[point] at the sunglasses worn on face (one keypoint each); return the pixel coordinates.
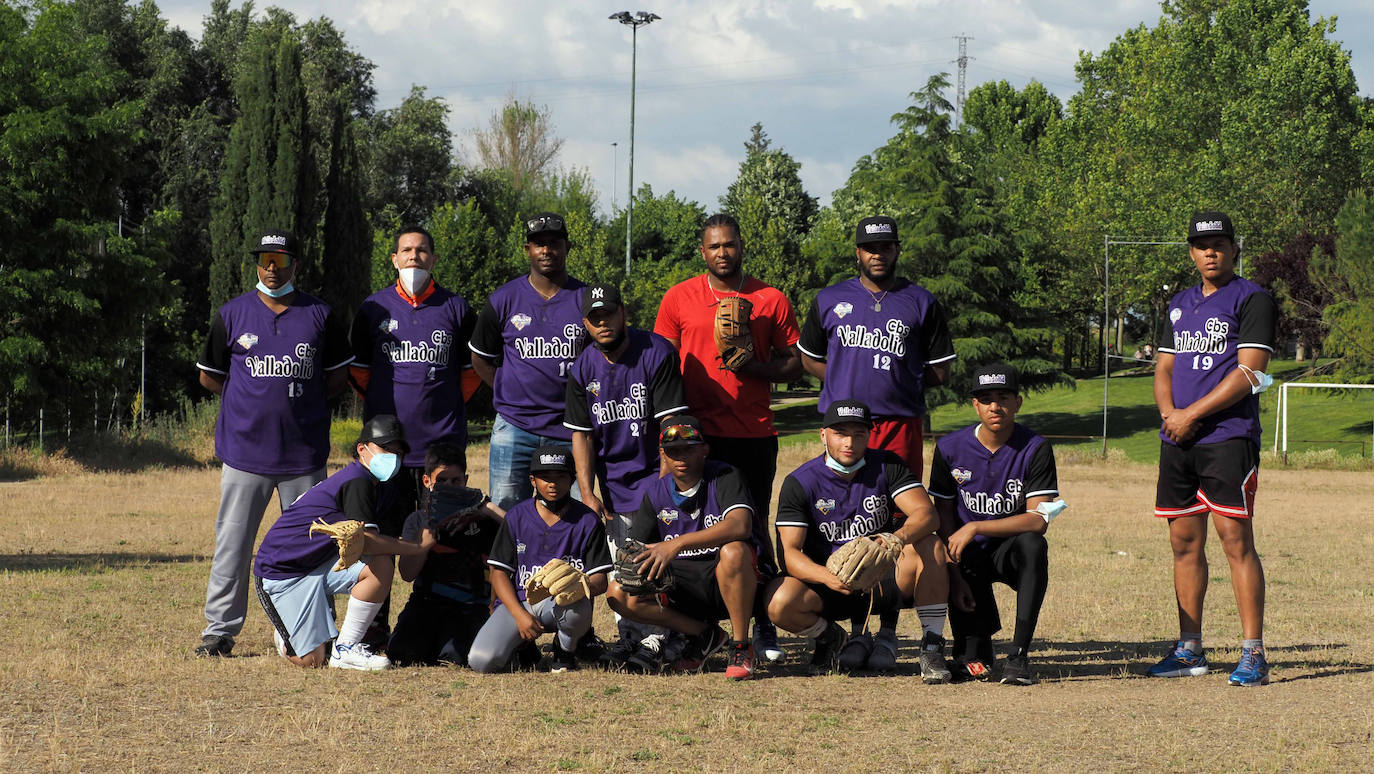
(546, 223)
(268, 260)
(679, 434)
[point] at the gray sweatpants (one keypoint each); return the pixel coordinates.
(243, 498)
(499, 637)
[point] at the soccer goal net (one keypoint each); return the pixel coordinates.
(1281, 437)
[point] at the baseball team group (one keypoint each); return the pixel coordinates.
(638, 466)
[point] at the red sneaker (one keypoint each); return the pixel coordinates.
(741, 664)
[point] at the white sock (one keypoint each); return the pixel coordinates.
(815, 629)
(356, 620)
(932, 618)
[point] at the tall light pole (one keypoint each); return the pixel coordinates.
(615, 171)
(635, 21)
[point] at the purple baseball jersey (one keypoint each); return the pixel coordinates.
(620, 404)
(834, 511)
(992, 485)
(533, 341)
(274, 413)
(525, 543)
(416, 355)
(1208, 332)
(288, 550)
(662, 517)
(876, 351)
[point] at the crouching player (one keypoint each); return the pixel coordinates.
(294, 571)
(451, 596)
(698, 524)
(848, 492)
(994, 484)
(549, 526)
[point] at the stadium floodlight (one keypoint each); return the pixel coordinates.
(634, 22)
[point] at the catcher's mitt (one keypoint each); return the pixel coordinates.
(446, 501)
(557, 579)
(861, 563)
(630, 577)
(733, 341)
(349, 536)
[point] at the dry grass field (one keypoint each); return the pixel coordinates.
(102, 577)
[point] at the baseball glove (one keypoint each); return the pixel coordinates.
(733, 341)
(861, 563)
(557, 579)
(446, 501)
(628, 573)
(349, 536)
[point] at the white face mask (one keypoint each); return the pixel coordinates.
(414, 280)
(284, 290)
(1259, 380)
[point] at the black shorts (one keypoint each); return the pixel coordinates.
(1217, 477)
(696, 592)
(844, 607)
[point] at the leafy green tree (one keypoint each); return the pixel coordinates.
(519, 140)
(1348, 276)
(410, 162)
(664, 244)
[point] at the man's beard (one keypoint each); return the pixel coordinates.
(612, 345)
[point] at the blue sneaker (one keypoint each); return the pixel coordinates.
(1252, 670)
(1181, 663)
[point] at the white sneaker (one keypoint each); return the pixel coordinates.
(281, 644)
(766, 643)
(357, 656)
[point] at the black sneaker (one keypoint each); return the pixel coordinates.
(648, 657)
(590, 648)
(1017, 670)
(970, 670)
(615, 657)
(700, 648)
(526, 657)
(933, 669)
(214, 645)
(826, 655)
(378, 635)
(563, 660)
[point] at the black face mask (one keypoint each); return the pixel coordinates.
(613, 345)
(556, 506)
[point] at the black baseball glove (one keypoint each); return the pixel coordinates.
(629, 573)
(454, 507)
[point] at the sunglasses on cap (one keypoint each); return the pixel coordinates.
(545, 223)
(268, 260)
(680, 434)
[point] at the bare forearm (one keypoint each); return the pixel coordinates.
(814, 367)
(484, 369)
(212, 382)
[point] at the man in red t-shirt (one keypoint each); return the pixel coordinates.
(732, 406)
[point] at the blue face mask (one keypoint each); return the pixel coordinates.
(1259, 380)
(284, 290)
(384, 465)
(834, 464)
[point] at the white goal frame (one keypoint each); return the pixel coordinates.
(1282, 435)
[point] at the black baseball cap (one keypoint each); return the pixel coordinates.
(602, 295)
(1210, 223)
(995, 376)
(552, 457)
(879, 228)
(682, 429)
(843, 412)
(277, 241)
(382, 430)
(549, 223)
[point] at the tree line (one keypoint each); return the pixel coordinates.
(136, 164)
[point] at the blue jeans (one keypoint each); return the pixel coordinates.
(509, 461)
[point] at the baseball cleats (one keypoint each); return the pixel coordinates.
(212, 645)
(741, 663)
(1016, 670)
(590, 648)
(648, 657)
(618, 654)
(700, 648)
(855, 653)
(766, 642)
(1181, 663)
(829, 644)
(1253, 669)
(933, 669)
(357, 656)
(883, 658)
(563, 660)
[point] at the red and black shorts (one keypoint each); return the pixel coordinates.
(1217, 477)
(901, 436)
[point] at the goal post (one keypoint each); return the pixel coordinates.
(1281, 437)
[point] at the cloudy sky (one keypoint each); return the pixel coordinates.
(823, 76)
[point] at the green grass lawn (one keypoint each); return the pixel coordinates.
(1337, 422)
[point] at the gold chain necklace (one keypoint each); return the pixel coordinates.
(705, 278)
